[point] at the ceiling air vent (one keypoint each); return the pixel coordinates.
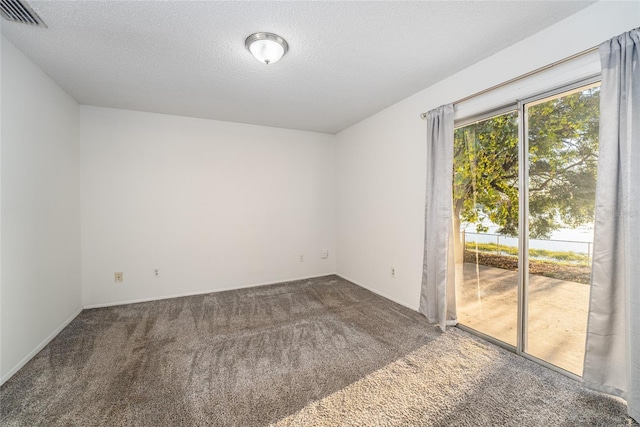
(18, 11)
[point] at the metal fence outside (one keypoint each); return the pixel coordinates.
(503, 242)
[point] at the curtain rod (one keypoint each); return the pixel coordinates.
(524, 76)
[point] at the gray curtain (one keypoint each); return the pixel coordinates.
(437, 299)
(612, 360)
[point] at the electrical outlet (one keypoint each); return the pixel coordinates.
(156, 272)
(118, 277)
(393, 272)
(301, 259)
(324, 254)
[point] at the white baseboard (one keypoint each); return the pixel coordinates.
(375, 291)
(39, 347)
(209, 291)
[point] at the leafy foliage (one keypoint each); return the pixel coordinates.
(563, 153)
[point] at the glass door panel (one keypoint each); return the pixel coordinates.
(562, 136)
(485, 202)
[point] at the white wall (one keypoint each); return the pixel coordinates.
(40, 209)
(381, 166)
(214, 205)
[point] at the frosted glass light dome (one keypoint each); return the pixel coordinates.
(266, 47)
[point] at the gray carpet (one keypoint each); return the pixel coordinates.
(321, 352)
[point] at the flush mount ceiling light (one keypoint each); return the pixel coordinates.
(266, 47)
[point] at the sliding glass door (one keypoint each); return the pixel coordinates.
(524, 192)
(485, 204)
(562, 141)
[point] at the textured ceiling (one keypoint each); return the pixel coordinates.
(347, 60)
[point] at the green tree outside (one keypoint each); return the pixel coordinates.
(563, 154)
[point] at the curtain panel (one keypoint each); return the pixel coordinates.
(437, 298)
(612, 359)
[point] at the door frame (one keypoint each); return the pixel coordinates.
(523, 212)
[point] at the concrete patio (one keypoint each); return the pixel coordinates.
(557, 324)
